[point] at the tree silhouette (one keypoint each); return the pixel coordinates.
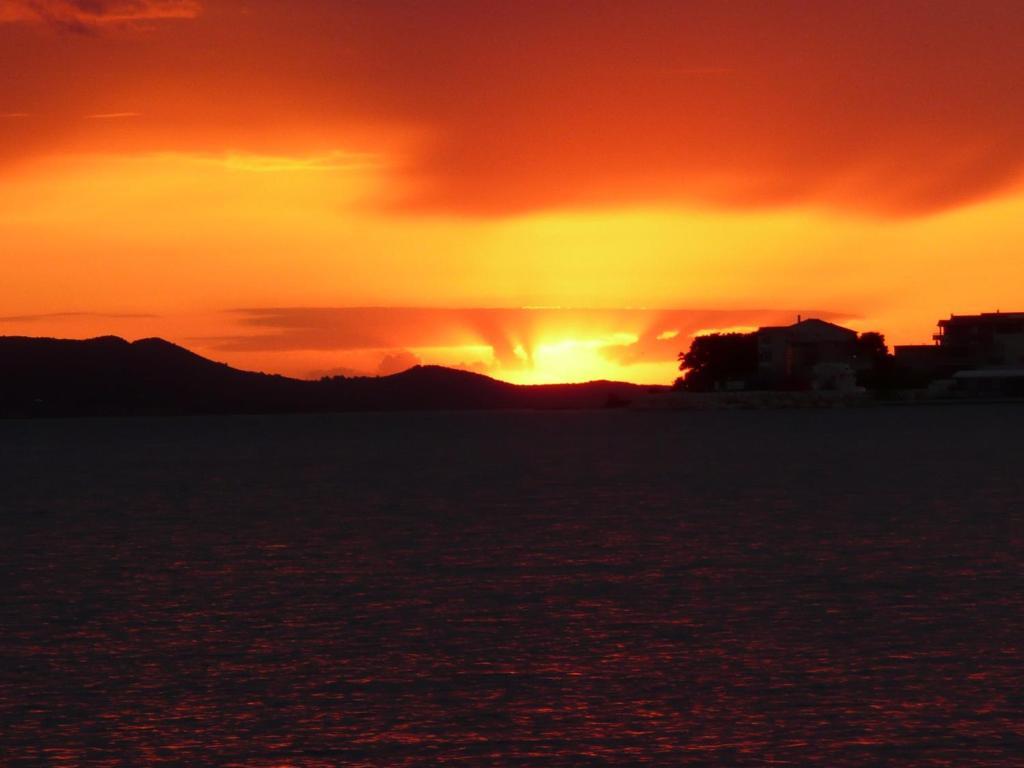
(871, 347)
(717, 359)
(873, 362)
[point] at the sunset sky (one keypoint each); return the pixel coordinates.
(545, 190)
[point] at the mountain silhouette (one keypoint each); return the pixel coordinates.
(111, 376)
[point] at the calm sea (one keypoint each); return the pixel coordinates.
(833, 588)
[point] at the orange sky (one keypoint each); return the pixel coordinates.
(540, 190)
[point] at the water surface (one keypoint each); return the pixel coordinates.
(559, 589)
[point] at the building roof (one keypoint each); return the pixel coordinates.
(812, 329)
(983, 317)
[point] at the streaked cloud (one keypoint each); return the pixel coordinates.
(93, 13)
(113, 115)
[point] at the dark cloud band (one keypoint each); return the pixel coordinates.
(651, 335)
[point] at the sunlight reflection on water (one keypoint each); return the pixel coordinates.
(828, 588)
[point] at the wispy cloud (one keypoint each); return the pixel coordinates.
(332, 161)
(83, 15)
(42, 317)
(113, 115)
(15, 115)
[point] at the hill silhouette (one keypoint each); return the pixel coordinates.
(111, 376)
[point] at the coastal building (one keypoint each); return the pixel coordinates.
(810, 354)
(990, 340)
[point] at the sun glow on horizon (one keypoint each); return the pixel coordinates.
(177, 237)
(567, 360)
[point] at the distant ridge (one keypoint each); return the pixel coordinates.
(111, 376)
